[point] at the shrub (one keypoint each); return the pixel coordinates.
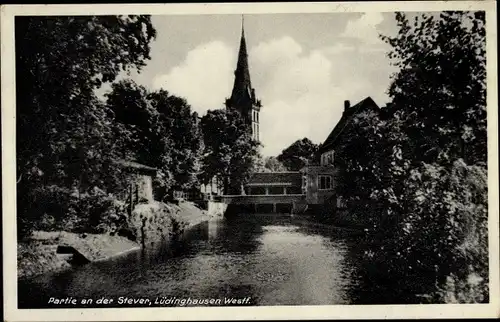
(440, 236)
(55, 208)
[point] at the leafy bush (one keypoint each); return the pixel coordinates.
(55, 208)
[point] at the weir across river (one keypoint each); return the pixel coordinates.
(281, 190)
(294, 201)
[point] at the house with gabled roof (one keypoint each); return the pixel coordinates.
(328, 147)
(318, 180)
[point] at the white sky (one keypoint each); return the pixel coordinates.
(302, 66)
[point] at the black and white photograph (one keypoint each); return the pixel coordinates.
(236, 157)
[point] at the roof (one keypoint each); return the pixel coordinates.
(243, 92)
(289, 178)
(135, 165)
(344, 121)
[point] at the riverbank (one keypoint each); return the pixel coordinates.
(344, 228)
(149, 223)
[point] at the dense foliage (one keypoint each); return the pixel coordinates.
(65, 135)
(69, 139)
(162, 132)
(185, 135)
(298, 154)
(271, 164)
(417, 168)
(230, 152)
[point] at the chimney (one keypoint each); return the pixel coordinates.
(347, 104)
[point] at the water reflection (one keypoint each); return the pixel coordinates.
(274, 260)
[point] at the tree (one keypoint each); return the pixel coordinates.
(417, 168)
(64, 134)
(427, 176)
(271, 164)
(60, 61)
(441, 84)
(229, 151)
(185, 137)
(439, 95)
(162, 132)
(147, 133)
(297, 155)
(259, 163)
(267, 164)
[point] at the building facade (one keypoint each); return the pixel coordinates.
(243, 98)
(318, 183)
(320, 179)
(140, 182)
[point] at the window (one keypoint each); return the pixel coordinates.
(327, 158)
(325, 182)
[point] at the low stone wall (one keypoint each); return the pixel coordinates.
(157, 222)
(216, 209)
(150, 223)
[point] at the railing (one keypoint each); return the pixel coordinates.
(262, 199)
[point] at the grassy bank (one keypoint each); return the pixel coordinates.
(149, 223)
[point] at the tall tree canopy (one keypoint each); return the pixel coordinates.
(161, 131)
(298, 154)
(185, 137)
(230, 151)
(440, 89)
(65, 135)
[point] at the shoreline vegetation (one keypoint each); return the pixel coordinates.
(53, 251)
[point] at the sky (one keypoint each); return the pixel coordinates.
(302, 66)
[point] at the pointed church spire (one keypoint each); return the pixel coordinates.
(242, 83)
(243, 97)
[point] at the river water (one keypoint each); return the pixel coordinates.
(257, 259)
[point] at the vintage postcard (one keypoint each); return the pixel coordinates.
(250, 161)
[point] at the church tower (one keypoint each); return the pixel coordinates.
(243, 95)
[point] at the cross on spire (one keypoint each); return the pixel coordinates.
(242, 24)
